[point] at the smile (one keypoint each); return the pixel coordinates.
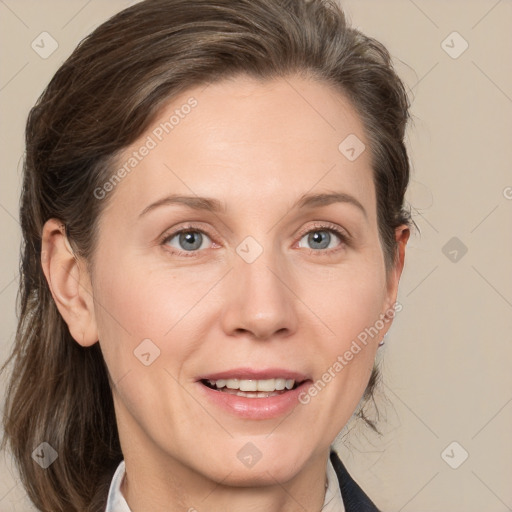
(252, 388)
(254, 394)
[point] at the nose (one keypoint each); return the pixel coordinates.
(260, 302)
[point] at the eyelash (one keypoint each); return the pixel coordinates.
(191, 228)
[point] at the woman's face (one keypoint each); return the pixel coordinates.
(261, 288)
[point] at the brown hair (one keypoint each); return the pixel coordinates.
(100, 100)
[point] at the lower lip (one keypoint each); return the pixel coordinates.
(255, 408)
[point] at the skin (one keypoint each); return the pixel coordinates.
(257, 146)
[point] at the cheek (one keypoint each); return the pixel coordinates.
(351, 306)
(132, 299)
(136, 303)
(348, 301)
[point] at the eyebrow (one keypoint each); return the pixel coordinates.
(216, 206)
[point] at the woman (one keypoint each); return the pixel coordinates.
(214, 231)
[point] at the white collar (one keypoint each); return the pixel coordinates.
(332, 502)
(115, 500)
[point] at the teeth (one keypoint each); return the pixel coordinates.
(248, 385)
(266, 385)
(280, 384)
(232, 384)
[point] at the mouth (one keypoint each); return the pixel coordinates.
(253, 388)
(254, 394)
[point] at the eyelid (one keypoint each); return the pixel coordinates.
(342, 232)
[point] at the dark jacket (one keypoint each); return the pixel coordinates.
(354, 498)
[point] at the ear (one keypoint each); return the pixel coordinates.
(402, 234)
(69, 283)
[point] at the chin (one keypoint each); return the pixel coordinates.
(256, 463)
(259, 476)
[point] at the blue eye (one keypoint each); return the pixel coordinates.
(188, 240)
(321, 238)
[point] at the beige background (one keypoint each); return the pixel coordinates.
(447, 360)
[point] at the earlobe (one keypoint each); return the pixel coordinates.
(69, 283)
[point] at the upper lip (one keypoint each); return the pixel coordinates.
(253, 374)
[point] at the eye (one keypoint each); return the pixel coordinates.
(321, 240)
(189, 240)
(186, 240)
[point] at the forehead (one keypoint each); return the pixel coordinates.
(249, 142)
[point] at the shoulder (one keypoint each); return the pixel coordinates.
(354, 498)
